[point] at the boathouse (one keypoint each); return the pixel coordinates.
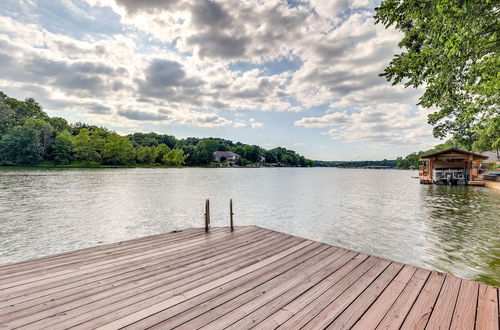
(450, 166)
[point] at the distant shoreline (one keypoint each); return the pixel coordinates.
(90, 166)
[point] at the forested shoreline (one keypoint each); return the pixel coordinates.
(356, 163)
(28, 136)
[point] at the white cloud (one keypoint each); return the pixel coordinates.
(172, 60)
(255, 124)
(239, 124)
(341, 49)
(331, 9)
(324, 121)
(380, 125)
(206, 120)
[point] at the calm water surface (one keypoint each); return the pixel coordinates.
(382, 212)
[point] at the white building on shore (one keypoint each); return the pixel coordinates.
(226, 156)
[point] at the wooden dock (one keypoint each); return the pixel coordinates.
(476, 183)
(252, 277)
(489, 184)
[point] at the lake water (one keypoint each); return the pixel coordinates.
(382, 212)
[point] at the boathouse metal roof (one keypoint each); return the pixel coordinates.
(457, 151)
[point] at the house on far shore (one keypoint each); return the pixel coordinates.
(225, 156)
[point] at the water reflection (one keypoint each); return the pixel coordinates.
(385, 213)
(464, 223)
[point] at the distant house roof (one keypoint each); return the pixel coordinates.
(455, 151)
(226, 154)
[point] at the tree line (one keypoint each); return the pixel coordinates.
(28, 136)
(356, 163)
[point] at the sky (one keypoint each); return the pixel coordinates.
(299, 74)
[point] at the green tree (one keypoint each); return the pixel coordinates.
(14, 112)
(29, 108)
(7, 115)
(188, 149)
(58, 124)
(240, 150)
(289, 159)
(161, 151)
(144, 139)
(168, 140)
(204, 153)
(489, 138)
(175, 157)
(86, 147)
(63, 147)
(152, 139)
(146, 155)
(21, 145)
(270, 156)
(451, 48)
(46, 134)
(118, 150)
(252, 153)
(77, 127)
(402, 163)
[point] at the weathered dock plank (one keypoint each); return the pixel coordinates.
(247, 278)
(464, 316)
(487, 310)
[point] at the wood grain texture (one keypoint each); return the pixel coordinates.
(120, 280)
(421, 310)
(373, 315)
(445, 305)
(487, 308)
(314, 269)
(384, 269)
(465, 310)
(232, 291)
(352, 313)
(400, 307)
(111, 302)
(247, 278)
(103, 250)
(297, 305)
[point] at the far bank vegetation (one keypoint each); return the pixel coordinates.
(28, 136)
